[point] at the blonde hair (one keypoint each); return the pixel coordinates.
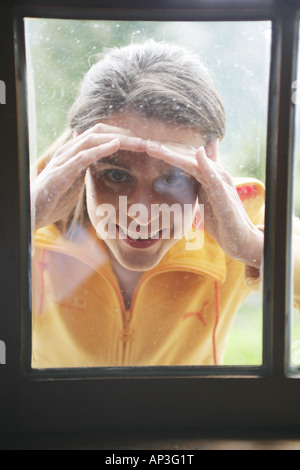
(156, 80)
(153, 79)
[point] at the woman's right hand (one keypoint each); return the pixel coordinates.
(56, 189)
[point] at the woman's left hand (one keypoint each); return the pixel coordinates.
(225, 217)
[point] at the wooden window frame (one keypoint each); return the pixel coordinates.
(147, 398)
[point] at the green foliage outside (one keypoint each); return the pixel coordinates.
(59, 52)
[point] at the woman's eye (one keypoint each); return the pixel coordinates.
(116, 176)
(172, 179)
(175, 179)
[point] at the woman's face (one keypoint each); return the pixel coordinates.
(138, 236)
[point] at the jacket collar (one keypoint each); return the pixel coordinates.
(203, 256)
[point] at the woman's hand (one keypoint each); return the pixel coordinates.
(56, 189)
(225, 217)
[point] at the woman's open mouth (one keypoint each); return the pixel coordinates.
(136, 240)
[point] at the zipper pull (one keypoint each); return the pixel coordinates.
(127, 332)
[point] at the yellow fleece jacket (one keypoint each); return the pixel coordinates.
(181, 312)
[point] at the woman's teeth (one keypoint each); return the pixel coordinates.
(140, 236)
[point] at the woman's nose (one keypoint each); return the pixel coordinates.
(143, 205)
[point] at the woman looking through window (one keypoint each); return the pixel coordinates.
(144, 246)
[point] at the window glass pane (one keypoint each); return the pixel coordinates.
(141, 256)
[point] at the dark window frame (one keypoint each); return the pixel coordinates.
(125, 398)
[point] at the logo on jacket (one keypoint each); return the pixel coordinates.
(199, 314)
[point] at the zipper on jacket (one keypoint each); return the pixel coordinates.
(127, 334)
